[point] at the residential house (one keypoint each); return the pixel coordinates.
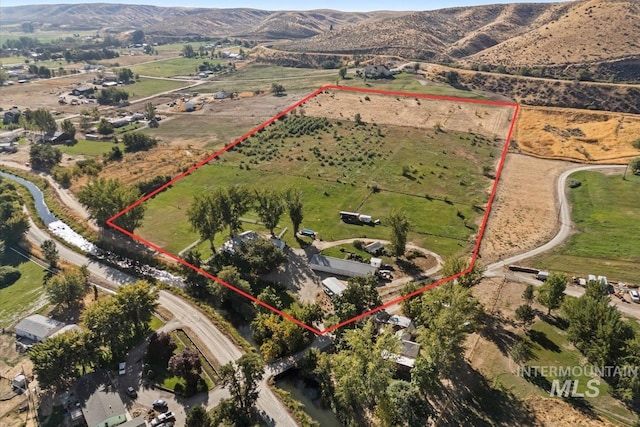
(82, 90)
(11, 116)
(377, 72)
(56, 138)
(99, 400)
(37, 328)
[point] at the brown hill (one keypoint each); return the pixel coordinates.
(587, 32)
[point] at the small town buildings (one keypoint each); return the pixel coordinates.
(100, 402)
(332, 286)
(11, 116)
(82, 91)
(37, 328)
(341, 267)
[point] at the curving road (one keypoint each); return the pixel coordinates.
(496, 269)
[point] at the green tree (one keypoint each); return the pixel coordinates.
(198, 417)
(342, 72)
(67, 288)
(125, 75)
(85, 123)
(456, 265)
(277, 89)
(234, 203)
(241, 378)
(360, 295)
(399, 229)
(293, 200)
(44, 157)
(50, 252)
(232, 299)
(68, 127)
(4, 76)
(187, 365)
(525, 315)
(551, 293)
(270, 208)
(13, 221)
(409, 408)
(149, 111)
(188, 52)
(104, 127)
(205, 216)
(137, 141)
(528, 295)
(104, 198)
(43, 120)
(160, 348)
(137, 303)
(56, 361)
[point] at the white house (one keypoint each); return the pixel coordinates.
(332, 286)
(37, 327)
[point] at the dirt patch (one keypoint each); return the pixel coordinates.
(525, 209)
(493, 121)
(585, 136)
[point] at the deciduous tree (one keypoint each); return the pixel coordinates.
(241, 378)
(44, 156)
(294, 207)
(68, 287)
(551, 293)
(104, 198)
(50, 252)
(400, 227)
(269, 208)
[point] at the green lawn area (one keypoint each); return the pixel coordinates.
(172, 67)
(336, 169)
(605, 210)
(88, 148)
(155, 323)
(23, 296)
(148, 87)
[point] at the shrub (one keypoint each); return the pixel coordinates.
(636, 144)
(358, 244)
(8, 276)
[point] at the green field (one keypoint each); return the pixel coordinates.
(605, 210)
(436, 177)
(172, 67)
(148, 87)
(88, 148)
(22, 297)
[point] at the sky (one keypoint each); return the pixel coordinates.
(343, 5)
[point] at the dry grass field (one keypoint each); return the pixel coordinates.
(577, 135)
(492, 121)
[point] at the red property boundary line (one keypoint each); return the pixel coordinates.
(275, 118)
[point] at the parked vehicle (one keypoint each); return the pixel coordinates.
(122, 368)
(159, 404)
(132, 393)
(635, 297)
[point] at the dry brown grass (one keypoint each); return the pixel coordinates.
(579, 135)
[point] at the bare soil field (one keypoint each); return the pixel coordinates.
(524, 213)
(43, 93)
(489, 120)
(578, 135)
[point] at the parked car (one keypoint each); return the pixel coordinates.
(132, 393)
(122, 368)
(162, 418)
(635, 297)
(159, 404)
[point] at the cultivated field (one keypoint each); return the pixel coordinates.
(578, 135)
(436, 176)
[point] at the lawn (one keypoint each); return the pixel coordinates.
(435, 177)
(147, 87)
(88, 148)
(23, 296)
(605, 210)
(172, 67)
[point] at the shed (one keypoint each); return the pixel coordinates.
(373, 248)
(56, 137)
(340, 267)
(100, 402)
(82, 90)
(375, 262)
(332, 286)
(37, 327)
(19, 382)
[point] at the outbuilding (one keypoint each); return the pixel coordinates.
(341, 267)
(37, 327)
(332, 286)
(100, 402)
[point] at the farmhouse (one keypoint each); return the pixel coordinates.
(332, 286)
(232, 245)
(55, 138)
(37, 328)
(82, 90)
(406, 359)
(100, 402)
(377, 72)
(340, 267)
